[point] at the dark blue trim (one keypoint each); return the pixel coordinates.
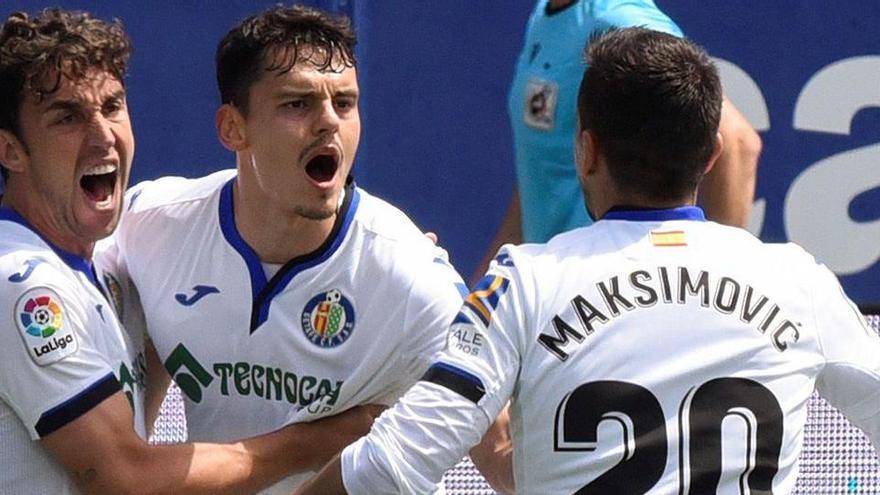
(230, 232)
(264, 291)
(462, 382)
(77, 405)
(650, 215)
(75, 262)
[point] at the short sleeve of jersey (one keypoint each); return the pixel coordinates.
(434, 297)
(51, 371)
(446, 413)
(485, 340)
(632, 14)
(850, 380)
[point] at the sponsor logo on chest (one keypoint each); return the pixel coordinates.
(317, 394)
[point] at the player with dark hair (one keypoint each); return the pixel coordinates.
(292, 294)
(651, 352)
(72, 377)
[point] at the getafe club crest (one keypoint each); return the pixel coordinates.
(328, 319)
(114, 291)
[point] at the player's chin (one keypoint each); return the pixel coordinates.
(95, 225)
(317, 213)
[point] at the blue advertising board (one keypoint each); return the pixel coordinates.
(436, 141)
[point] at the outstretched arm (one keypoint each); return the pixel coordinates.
(493, 456)
(728, 190)
(102, 453)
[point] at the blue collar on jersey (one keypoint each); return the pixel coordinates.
(635, 214)
(262, 290)
(75, 262)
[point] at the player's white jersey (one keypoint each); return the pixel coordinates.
(650, 353)
(62, 352)
(356, 322)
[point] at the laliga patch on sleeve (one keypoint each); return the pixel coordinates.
(44, 326)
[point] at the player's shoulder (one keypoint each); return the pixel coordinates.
(394, 242)
(390, 226)
(31, 270)
(790, 256)
(168, 191)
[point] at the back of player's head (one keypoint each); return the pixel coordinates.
(653, 104)
(37, 51)
(274, 41)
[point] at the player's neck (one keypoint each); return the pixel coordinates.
(638, 201)
(277, 236)
(51, 229)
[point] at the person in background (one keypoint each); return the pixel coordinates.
(546, 200)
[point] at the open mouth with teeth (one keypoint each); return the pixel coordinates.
(99, 185)
(322, 168)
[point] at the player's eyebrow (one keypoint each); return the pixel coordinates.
(309, 93)
(64, 105)
(75, 104)
(347, 93)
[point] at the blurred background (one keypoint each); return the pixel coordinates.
(436, 141)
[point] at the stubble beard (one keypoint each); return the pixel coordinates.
(317, 214)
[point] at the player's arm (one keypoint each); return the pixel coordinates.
(509, 232)
(850, 379)
(102, 453)
(409, 448)
(493, 456)
(328, 481)
(449, 410)
(728, 190)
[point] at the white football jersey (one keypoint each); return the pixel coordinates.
(62, 352)
(652, 352)
(356, 322)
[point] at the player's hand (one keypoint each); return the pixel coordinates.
(333, 433)
(432, 237)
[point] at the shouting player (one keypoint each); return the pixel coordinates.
(280, 291)
(72, 378)
(652, 352)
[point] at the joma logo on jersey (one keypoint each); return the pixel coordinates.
(26, 273)
(248, 379)
(328, 319)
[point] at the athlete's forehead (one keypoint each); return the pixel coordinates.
(92, 89)
(308, 78)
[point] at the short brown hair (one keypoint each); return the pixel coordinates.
(273, 40)
(37, 51)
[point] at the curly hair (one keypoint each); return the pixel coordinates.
(274, 41)
(37, 51)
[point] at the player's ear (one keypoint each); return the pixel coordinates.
(586, 152)
(13, 154)
(230, 128)
(716, 152)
